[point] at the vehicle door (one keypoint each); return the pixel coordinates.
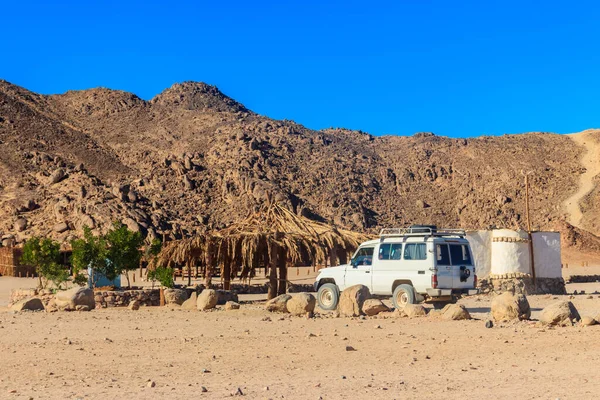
(445, 274)
(463, 271)
(360, 268)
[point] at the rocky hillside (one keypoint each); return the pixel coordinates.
(193, 159)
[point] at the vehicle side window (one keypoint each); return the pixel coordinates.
(390, 251)
(364, 256)
(443, 255)
(460, 254)
(396, 252)
(415, 251)
(384, 251)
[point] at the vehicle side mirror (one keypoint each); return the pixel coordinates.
(353, 263)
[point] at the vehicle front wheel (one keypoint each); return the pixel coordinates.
(328, 296)
(403, 295)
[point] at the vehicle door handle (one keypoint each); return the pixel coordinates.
(448, 268)
(367, 272)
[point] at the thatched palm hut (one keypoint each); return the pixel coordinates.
(274, 238)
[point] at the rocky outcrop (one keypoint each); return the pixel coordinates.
(352, 300)
(232, 305)
(278, 304)
(207, 300)
(508, 307)
(414, 310)
(32, 304)
(191, 303)
(75, 299)
(454, 312)
(175, 296)
(373, 307)
(562, 313)
(301, 303)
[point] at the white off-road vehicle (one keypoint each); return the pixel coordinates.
(419, 263)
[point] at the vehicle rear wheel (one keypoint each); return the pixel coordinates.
(328, 296)
(403, 295)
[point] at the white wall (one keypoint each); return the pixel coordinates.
(503, 257)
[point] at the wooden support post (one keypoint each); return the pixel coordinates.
(162, 297)
(282, 266)
(272, 293)
(227, 275)
(141, 267)
(189, 272)
(530, 237)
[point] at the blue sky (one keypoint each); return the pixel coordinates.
(454, 68)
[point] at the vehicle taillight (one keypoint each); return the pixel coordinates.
(434, 282)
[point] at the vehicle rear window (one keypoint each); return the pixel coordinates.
(460, 254)
(415, 251)
(443, 255)
(390, 251)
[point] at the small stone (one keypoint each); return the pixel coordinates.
(239, 392)
(350, 348)
(489, 324)
(151, 384)
(203, 389)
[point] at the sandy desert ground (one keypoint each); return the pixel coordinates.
(115, 353)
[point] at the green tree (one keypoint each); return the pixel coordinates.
(44, 255)
(91, 251)
(123, 250)
(163, 275)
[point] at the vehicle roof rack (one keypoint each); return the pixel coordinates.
(421, 230)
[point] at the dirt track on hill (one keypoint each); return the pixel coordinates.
(590, 159)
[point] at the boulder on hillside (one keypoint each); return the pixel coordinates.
(352, 300)
(373, 307)
(278, 304)
(223, 296)
(454, 312)
(562, 313)
(57, 176)
(414, 310)
(60, 227)
(20, 224)
(191, 303)
(81, 298)
(175, 296)
(207, 299)
(31, 304)
(508, 307)
(301, 303)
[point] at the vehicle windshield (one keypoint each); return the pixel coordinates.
(364, 256)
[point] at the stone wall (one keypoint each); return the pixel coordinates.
(521, 283)
(103, 298)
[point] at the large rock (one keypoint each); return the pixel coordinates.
(223, 296)
(455, 312)
(134, 305)
(70, 300)
(562, 313)
(191, 303)
(232, 305)
(278, 304)
(207, 299)
(60, 227)
(588, 321)
(57, 176)
(352, 300)
(301, 303)
(374, 306)
(31, 304)
(20, 224)
(508, 307)
(175, 296)
(414, 310)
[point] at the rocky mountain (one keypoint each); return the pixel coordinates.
(193, 159)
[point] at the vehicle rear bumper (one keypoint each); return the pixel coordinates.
(449, 292)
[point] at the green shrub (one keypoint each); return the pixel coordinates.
(44, 255)
(162, 275)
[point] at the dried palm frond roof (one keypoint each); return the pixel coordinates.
(250, 243)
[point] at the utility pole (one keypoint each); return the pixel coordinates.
(529, 235)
